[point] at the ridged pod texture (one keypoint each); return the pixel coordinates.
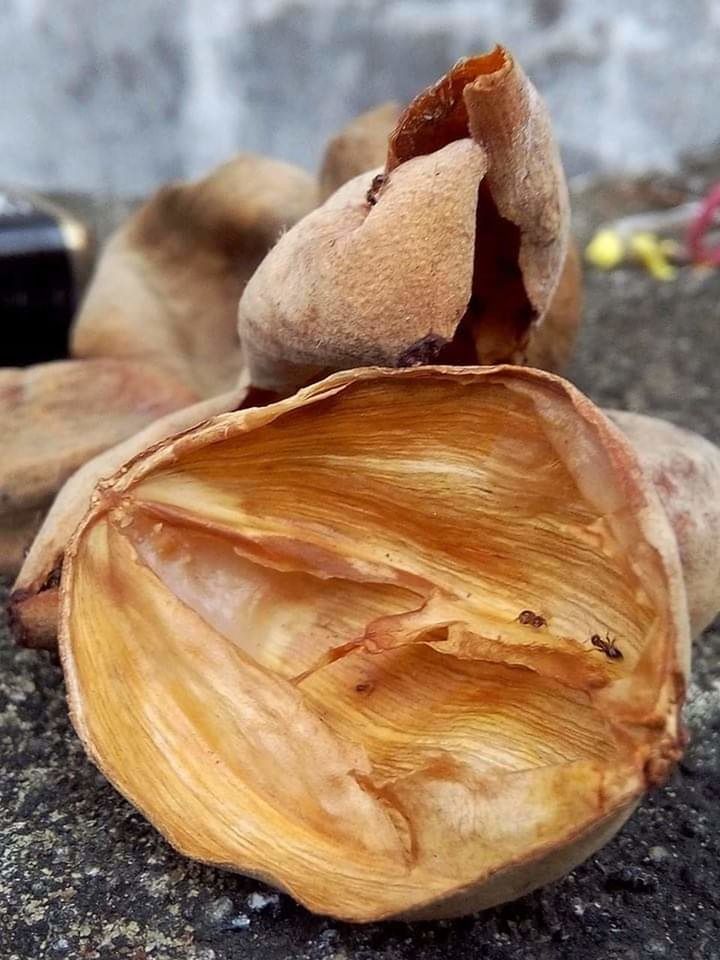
(409, 643)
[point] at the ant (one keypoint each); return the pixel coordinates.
(377, 182)
(531, 619)
(607, 646)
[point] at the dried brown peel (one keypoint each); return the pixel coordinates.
(296, 638)
(359, 146)
(453, 253)
(363, 145)
(34, 601)
(54, 417)
(552, 342)
(168, 282)
(685, 469)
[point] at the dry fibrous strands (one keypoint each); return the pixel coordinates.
(452, 253)
(409, 643)
(163, 306)
(683, 466)
(358, 147)
(167, 286)
(164, 270)
(56, 416)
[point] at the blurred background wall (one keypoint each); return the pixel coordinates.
(119, 95)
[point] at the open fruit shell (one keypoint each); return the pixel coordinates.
(297, 638)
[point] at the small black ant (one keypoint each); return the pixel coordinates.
(377, 183)
(531, 619)
(607, 646)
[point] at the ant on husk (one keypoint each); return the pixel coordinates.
(531, 619)
(607, 646)
(378, 181)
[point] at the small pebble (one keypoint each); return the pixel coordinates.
(258, 901)
(578, 907)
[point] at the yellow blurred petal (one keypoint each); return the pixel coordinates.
(606, 250)
(649, 251)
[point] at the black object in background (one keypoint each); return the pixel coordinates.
(45, 254)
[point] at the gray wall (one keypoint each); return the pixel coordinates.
(122, 94)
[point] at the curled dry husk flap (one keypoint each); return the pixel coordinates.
(453, 253)
(159, 323)
(344, 642)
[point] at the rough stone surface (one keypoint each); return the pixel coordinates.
(118, 96)
(84, 877)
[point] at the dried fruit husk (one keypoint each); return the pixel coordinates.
(54, 417)
(453, 253)
(362, 146)
(33, 604)
(167, 286)
(358, 147)
(292, 637)
(685, 470)
(163, 305)
(683, 466)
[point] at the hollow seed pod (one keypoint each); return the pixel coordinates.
(167, 285)
(450, 253)
(684, 467)
(298, 638)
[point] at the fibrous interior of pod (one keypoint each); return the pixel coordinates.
(409, 643)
